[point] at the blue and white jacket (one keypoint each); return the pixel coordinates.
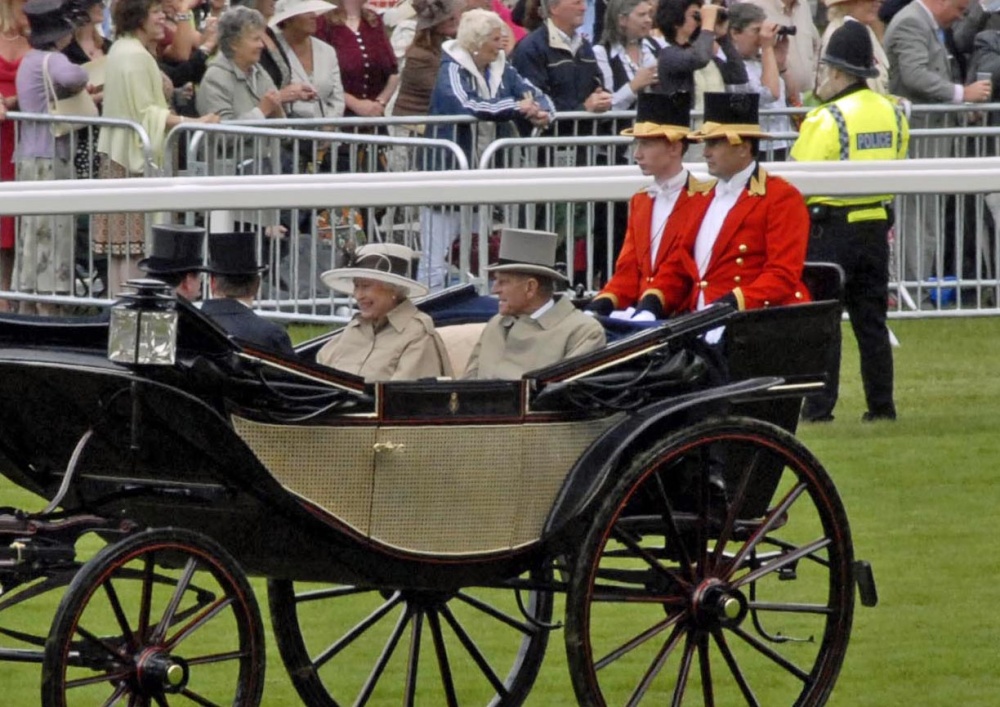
(492, 98)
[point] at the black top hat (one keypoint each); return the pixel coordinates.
(176, 249)
(730, 115)
(850, 50)
(233, 254)
(662, 115)
(50, 21)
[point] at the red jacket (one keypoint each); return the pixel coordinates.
(635, 274)
(758, 255)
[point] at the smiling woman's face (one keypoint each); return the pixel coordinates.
(375, 299)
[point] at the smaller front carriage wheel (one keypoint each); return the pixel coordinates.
(716, 572)
(161, 617)
(345, 645)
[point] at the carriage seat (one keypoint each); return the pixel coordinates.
(459, 340)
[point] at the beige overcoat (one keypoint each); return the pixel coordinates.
(405, 348)
(511, 346)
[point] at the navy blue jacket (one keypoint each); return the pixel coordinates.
(240, 321)
(543, 58)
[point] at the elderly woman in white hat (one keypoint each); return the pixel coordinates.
(389, 338)
(866, 12)
(311, 61)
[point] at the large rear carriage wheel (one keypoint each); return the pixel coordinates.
(165, 617)
(345, 645)
(718, 572)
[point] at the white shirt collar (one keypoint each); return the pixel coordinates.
(537, 314)
(669, 186)
(736, 183)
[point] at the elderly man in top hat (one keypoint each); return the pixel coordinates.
(177, 258)
(660, 131)
(234, 278)
(855, 124)
(533, 329)
(746, 243)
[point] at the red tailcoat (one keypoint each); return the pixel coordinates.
(758, 255)
(635, 273)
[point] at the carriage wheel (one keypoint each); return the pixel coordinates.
(718, 572)
(472, 646)
(160, 618)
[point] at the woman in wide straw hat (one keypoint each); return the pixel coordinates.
(389, 338)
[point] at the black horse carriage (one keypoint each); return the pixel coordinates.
(417, 536)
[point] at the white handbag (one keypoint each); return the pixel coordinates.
(79, 105)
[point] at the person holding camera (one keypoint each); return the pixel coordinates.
(803, 42)
(763, 47)
(855, 123)
(689, 33)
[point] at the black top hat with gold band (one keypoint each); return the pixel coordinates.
(662, 115)
(733, 116)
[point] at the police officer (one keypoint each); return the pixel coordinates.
(855, 123)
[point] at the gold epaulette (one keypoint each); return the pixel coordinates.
(699, 186)
(758, 182)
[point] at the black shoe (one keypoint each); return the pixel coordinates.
(817, 418)
(870, 416)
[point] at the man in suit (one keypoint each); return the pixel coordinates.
(234, 281)
(746, 244)
(177, 258)
(660, 132)
(923, 70)
(533, 329)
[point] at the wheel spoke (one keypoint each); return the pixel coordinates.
(442, 657)
(198, 699)
(790, 608)
(769, 652)
(638, 640)
(390, 647)
(473, 650)
(655, 666)
(783, 561)
(672, 531)
(358, 629)
(216, 658)
(97, 679)
(161, 700)
(88, 636)
(523, 627)
(684, 672)
(115, 696)
(632, 544)
(734, 668)
(761, 532)
(739, 498)
(206, 615)
(175, 600)
(329, 593)
(146, 598)
(705, 664)
(612, 593)
(413, 661)
(116, 607)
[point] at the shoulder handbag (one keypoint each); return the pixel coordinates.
(79, 105)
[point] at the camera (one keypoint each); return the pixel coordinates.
(787, 31)
(721, 16)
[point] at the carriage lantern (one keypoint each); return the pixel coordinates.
(144, 325)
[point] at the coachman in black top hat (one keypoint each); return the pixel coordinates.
(234, 279)
(177, 258)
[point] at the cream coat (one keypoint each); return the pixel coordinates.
(512, 346)
(406, 348)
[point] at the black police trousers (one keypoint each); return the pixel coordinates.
(862, 250)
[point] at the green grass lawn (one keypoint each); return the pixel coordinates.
(920, 497)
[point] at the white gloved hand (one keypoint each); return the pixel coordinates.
(644, 316)
(590, 313)
(623, 313)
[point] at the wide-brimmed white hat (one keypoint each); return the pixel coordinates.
(390, 263)
(287, 9)
(529, 253)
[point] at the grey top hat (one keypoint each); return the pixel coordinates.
(528, 252)
(176, 249)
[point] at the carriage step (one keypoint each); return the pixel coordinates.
(865, 579)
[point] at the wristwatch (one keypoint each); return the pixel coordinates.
(182, 17)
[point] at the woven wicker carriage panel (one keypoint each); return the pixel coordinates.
(548, 452)
(448, 490)
(329, 466)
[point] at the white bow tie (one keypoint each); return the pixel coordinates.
(666, 190)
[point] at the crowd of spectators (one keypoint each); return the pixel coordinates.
(164, 62)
